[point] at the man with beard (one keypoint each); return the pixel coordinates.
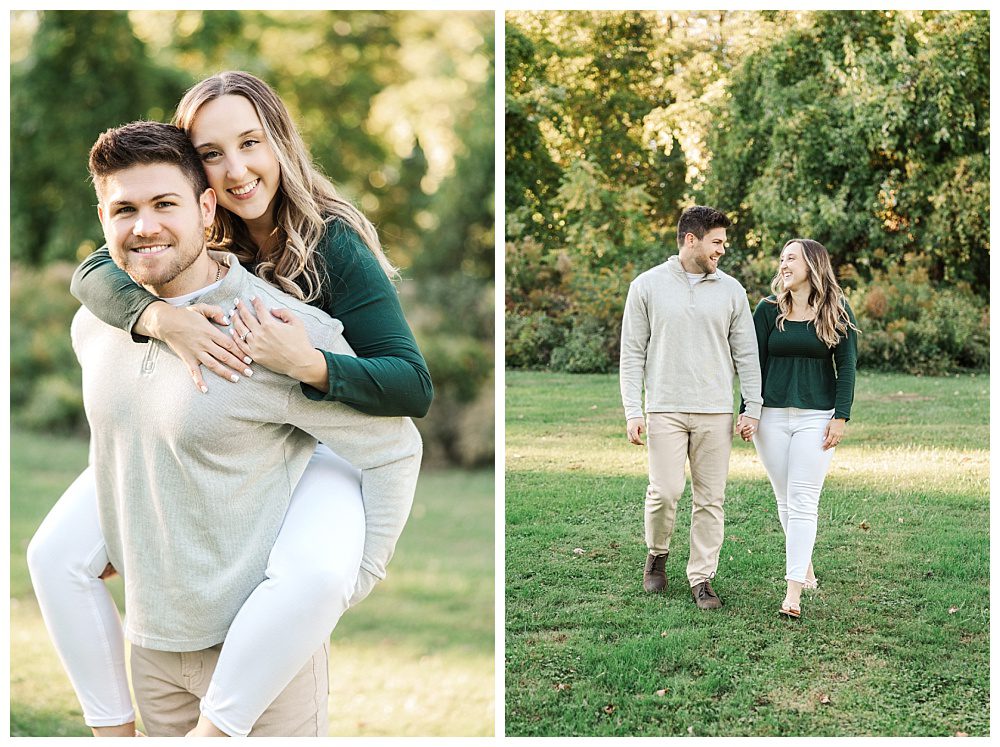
(193, 489)
(687, 329)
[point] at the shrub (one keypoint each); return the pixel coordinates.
(586, 350)
(909, 325)
(55, 404)
(44, 372)
(531, 339)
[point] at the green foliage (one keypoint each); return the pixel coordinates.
(562, 313)
(583, 177)
(530, 175)
(530, 339)
(866, 130)
(908, 325)
(86, 72)
(586, 350)
(44, 373)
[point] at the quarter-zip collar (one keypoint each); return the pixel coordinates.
(675, 266)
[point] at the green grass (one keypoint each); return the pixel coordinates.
(415, 659)
(895, 642)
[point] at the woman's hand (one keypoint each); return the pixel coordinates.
(197, 342)
(277, 339)
(834, 433)
(746, 427)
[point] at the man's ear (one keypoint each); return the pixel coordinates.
(207, 202)
(100, 213)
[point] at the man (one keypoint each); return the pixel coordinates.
(687, 325)
(191, 489)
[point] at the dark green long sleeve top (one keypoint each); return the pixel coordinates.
(799, 370)
(389, 377)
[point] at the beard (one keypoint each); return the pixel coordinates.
(705, 265)
(162, 270)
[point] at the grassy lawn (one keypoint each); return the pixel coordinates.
(894, 643)
(415, 659)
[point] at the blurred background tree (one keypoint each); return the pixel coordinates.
(866, 130)
(397, 108)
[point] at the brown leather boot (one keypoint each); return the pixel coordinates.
(654, 576)
(705, 597)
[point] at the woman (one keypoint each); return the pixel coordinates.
(807, 342)
(282, 218)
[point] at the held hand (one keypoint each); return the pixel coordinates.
(635, 427)
(198, 342)
(834, 433)
(747, 427)
(276, 339)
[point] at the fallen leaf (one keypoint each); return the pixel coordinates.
(663, 634)
(865, 525)
(593, 407)
(961, 734)
(824, 699)
(609, 709)
(614, 545)
(690, 730)
(562, 686)
(579, 551)
(662, 692)
(900, 519)
(952, 610)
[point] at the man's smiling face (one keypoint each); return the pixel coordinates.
(153, 222)
(708, 250)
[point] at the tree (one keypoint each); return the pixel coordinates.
(861, 129)
(86, 72)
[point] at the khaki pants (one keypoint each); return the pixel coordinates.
(169, 687)
(705, 440)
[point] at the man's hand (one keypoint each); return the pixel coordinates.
(746, 426)
(636, 427)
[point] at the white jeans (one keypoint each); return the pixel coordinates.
(311, 574)
(789, 442)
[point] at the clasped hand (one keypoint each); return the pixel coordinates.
(275, 338)
(746, 427)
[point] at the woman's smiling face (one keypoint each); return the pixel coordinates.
(793, 268)
(238, 160)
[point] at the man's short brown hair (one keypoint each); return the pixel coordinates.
(699, 220)
(139, 143)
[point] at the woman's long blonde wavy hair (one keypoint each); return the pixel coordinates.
(826, 297)
(307, 201)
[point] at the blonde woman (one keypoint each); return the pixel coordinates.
(807, 342)
(285, 221)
